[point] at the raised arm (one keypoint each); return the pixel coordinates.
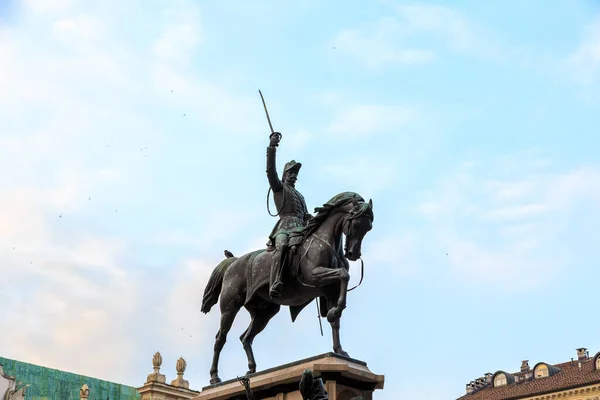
(274, 181)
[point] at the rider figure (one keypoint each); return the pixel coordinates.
(291, 209)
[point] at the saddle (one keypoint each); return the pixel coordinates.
(295, 239)
(290, 265)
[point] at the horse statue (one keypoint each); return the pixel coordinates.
(317, 267)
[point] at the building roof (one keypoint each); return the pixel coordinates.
(52, 384)
(569, 377)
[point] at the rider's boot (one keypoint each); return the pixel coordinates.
(275, 278)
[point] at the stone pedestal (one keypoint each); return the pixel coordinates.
(344, 379)
(156, 387)
(162, 391)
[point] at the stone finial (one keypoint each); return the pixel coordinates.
(84, 392)
(180, 368)
(157, 361)
(156, 376)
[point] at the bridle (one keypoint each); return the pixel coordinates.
(348, 234)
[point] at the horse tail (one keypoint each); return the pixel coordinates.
(215, 282)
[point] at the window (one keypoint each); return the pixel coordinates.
(500, 380)
(598, 363)
(541, 371)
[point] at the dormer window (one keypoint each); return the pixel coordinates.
(500, 380)
(541, 371)
(597, 363)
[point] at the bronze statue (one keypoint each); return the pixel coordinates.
(320, 259)
(291, 209)
(311, 388)
(245, 382)
(313, 250)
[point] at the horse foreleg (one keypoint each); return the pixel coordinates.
(335, 312)
(321, 276)
(229, 310)
(260, 319)
(335, 332)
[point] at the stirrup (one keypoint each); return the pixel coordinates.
(275, 289)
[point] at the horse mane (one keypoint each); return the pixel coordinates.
(323, 212)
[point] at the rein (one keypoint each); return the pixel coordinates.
(362, 264)
(268, 209)
(362, 275)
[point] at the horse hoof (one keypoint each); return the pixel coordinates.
(250, 371)
(215, 380)
(341, 353)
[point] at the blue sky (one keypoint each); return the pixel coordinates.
(134, 144)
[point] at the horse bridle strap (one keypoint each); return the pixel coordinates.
(362, 274)
(362, 263)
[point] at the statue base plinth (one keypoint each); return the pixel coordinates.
(344, 379)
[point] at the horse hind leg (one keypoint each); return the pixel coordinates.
(229, 309)
(260, 317)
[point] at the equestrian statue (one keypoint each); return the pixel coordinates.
(306, 258)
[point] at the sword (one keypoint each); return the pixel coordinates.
(267, 113)
(319, 316)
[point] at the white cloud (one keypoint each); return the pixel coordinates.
(78, 93)
(44, 6)
(82, 28)
(71, 305)
(364, 120)
(389, 39)
(75, 301)
(395, 253)
(329, 98)
(516, 212)
(584, 62)
(450, 25)
(298, 140)
(365, 175)
(180, 38)
(377, 45)
(182, 326)
(508, 231)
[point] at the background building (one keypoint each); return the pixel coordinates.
(51, 384)
(578, 379)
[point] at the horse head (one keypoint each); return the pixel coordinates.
(359, 221)
(356, 220)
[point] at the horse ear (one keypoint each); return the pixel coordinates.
(371, 204)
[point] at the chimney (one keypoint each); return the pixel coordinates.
(525, 366)
(470, 388)
(582, 354)
(488, 378)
